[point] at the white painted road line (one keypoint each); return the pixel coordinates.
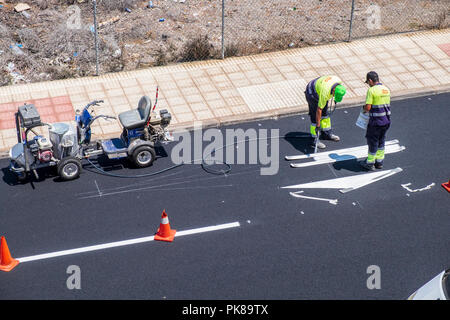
(125, 243)
(297, 195)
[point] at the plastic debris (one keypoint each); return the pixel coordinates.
(109, 21)
(162, 20)
(21, 7)
(128, 10)
(150, 5)
(26, 14)
(16, 49)
(16, 76)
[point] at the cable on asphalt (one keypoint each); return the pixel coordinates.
(203, 164)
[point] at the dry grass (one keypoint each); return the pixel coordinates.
(198, 49)
(190, 31)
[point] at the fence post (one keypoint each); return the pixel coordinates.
(351, 22)
(96, 38)
(223, 29)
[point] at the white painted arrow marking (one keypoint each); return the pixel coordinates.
(347, 184)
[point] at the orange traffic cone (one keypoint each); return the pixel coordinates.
(7, 263)
(446, 186)
(164, 232)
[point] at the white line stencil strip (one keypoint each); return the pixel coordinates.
(124, 243)
(347, 156)
(320, 155)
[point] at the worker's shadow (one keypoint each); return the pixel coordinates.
(301, 141)
(346, 162)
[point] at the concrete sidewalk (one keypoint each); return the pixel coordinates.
(237, 89)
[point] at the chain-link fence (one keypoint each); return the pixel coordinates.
(54, 39)
(380, 17)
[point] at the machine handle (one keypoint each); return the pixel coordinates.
(93, 103)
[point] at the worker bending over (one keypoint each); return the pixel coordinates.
(318, 92)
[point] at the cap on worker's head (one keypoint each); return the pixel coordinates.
(339, 92)
(372, 75)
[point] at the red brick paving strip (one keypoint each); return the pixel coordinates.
(445, 47)
(51, 110)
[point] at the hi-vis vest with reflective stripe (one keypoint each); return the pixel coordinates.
(323, 88)
(379, 96)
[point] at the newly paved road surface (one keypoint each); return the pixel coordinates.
(285, 248)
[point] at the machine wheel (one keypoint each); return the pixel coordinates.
(21, 176)
(143, 156)
(69, 168)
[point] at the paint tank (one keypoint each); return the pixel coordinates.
(64, 139)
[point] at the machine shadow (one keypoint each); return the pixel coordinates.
(44, 173)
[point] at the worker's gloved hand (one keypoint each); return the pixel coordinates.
(317, 130)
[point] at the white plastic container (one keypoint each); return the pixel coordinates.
(362, 120)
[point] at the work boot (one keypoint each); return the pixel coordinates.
(334, 138)
(330, 136)
(320, 145)
(378, 165)
(367, 166)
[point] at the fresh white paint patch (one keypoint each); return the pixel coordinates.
(124, 243)
(406, 185)
(347, 184)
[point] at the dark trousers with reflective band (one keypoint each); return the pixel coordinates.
(325, 122)
(376, 137)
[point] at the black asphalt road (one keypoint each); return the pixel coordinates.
(285, 248)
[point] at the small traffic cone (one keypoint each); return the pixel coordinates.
(7, 263)
(164, 232)
(446, 185)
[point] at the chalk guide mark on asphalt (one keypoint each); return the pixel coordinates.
(125, 242)
(98, 189)
(95, 194)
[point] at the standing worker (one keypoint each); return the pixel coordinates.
(378, 101)
(318, 92)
